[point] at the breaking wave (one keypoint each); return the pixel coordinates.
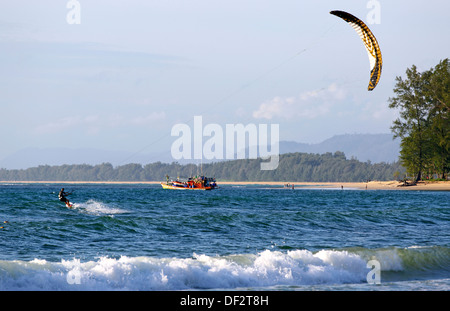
(267, 269)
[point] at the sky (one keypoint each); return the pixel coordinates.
(126, 72)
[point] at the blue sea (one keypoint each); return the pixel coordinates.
(237, 238)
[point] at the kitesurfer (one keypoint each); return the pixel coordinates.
(62, 197)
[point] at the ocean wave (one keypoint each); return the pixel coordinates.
(267, 269)
(414, 259)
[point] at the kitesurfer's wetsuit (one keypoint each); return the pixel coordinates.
(62, 196)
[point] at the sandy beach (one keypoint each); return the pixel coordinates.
(372, 185)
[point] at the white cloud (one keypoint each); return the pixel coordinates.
(94, 123)
(378, 114)
(90, 123)
(309, 105)
(60, 125)
(148, 119)
(276, 107)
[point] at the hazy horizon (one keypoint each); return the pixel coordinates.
(364, 147)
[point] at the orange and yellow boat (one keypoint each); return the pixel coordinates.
(193, 183)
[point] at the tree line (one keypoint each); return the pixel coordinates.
(295, 167)
(423, 100)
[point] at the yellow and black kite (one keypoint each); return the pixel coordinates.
(370, 42)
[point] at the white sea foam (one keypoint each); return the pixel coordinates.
(267, 269)
(96, 208)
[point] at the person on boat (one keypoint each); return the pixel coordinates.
(62, 197)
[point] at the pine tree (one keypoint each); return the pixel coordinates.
(439, 94)
(423, 126)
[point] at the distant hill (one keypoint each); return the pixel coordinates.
(374, 147)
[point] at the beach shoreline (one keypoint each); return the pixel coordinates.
(371, 185)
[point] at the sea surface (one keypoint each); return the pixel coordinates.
(141, 237)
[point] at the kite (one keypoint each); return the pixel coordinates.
(370, 42)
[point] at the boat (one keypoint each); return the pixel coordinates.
(192, 183)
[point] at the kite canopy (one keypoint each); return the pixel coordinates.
(370, 42)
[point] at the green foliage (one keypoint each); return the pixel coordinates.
(296, 167)
(424, 124)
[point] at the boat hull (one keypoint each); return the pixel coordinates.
(168, 186)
